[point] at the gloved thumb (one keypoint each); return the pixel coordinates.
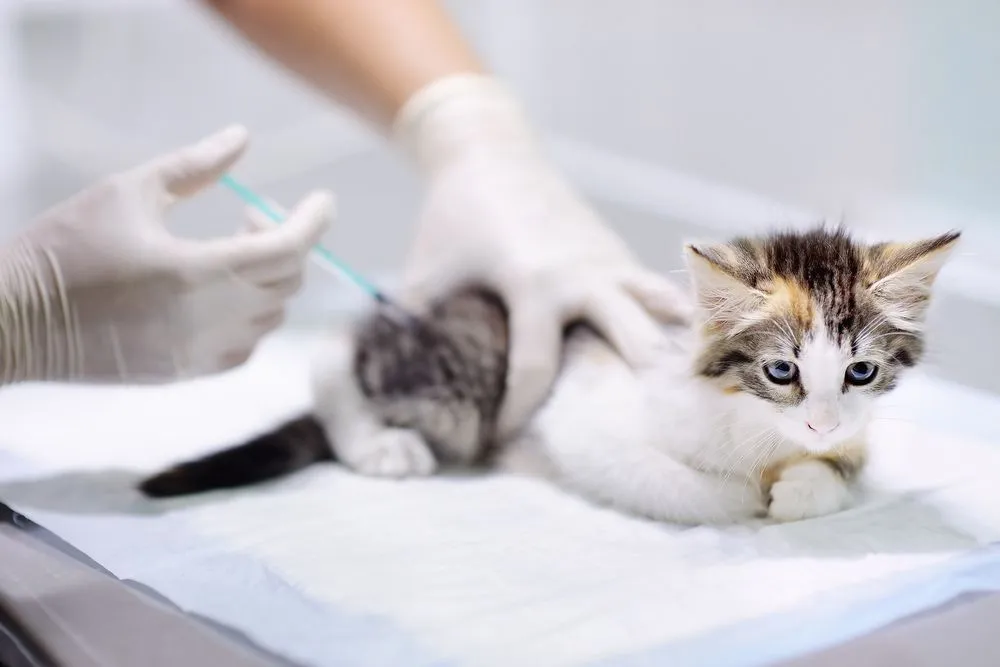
(626, 325)
(533, 361)
(280, 244)
(258, 221)
(192, 168)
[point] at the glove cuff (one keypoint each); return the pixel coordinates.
(35, 317)
(458, 115)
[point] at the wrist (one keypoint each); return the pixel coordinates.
(459, 115)
(35, 317)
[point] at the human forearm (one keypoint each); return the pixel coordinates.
(371, 54)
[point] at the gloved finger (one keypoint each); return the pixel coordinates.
(192, 168)
(267, 274)
(267, 322)
(285, 288)
(626, 325)
(260, 221)
(234, 358)
(272, 251)
(255, 223)
(664, 299)
(252, 226)
(535, 346)
(237, 346)
(420, 290)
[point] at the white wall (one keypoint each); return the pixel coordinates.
(821, 104)
(800, 100)
(826, 104)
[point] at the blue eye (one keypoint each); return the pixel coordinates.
(861, 373)
(781, 372)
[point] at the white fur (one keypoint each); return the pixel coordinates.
(650, 443)
(663, 442)
(358, 437)
(660, 443)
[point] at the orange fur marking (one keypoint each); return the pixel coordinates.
(850, 456)
(789, 297)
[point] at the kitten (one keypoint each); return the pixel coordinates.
(758, 408)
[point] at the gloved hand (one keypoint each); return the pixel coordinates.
(98, 289)
(498, 215)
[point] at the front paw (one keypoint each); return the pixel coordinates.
(394, 452)
(806, 490)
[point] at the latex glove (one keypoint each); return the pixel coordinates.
(98, 289)
(497, 214)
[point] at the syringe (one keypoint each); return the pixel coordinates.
(322, 257)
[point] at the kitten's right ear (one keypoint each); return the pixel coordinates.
(902, 275)
(724, 298)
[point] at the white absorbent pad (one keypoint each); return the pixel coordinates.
(328, 568)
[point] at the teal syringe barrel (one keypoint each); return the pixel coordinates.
(251, 198)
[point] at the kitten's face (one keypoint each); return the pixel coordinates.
(810, 328)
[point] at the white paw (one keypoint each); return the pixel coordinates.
(394, 452)
(806, 490)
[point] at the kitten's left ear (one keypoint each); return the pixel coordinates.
(901, 275)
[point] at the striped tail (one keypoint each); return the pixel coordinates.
(291, 447)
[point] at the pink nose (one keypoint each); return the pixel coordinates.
(822, 429)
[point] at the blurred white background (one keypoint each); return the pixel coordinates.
(678, 118)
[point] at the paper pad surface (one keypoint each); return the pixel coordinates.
(330, 568)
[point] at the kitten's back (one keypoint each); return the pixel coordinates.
(442, 375)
